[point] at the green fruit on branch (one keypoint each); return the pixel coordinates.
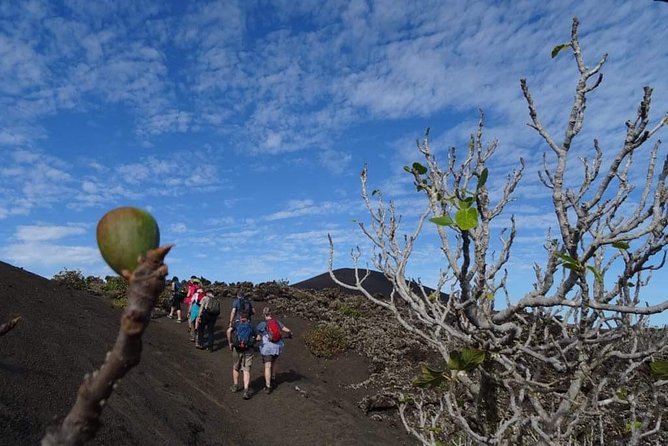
(124, 234)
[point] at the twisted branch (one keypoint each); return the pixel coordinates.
(146, 283)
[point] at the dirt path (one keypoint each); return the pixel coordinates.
(177, 395)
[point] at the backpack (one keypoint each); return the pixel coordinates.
(212, 305)
(176, 289)
(245, 307)
(243, 336)
(274, 330)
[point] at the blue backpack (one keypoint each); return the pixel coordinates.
(243, 336)
(245, 306)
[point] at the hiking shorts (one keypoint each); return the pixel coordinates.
(269, 358)
(242, 360)
(176, 302)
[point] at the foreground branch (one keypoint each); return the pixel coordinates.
(144, 286)
(7, 326)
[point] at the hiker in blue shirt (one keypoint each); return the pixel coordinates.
(241, 337)
(241, 304)
(194, 312)
(270, 332)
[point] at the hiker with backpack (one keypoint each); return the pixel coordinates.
(193, 312)
(241, 338)
(177, 298)
(206, 321)
(241, 304)
(271, 332)
(191, 289)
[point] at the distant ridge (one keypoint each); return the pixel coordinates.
(376, 283)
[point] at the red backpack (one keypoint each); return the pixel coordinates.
(274, 330)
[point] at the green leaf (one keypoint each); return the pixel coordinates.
(557, 49)
(407, 169)
(467, 219)
(597, 273)
(406, 400)
(419, 168)
(620, 245)
(482, 179)
(632, 426)
(566, 258)
(622, 394)
(375, 192)
(466, 360)
(430, 378)
(572, 266)
(659, 368)
(442, 220)
(466, 203)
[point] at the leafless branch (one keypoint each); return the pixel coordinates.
(146, 283)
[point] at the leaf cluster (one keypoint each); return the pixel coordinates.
(466, 360)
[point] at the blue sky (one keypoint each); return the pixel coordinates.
(242, 126)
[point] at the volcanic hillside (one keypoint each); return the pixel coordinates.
(178, 395)
(376, 283)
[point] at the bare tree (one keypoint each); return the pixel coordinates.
(146, 283)
(570, 361)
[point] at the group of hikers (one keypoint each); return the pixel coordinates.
(202, 314)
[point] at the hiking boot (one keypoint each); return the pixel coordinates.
(234, 388)
(179, 321)
(247, 394)
(170, 316)
(267, 389)
(199, 346)
(192, 339)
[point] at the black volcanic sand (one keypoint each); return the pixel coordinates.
(177, 395)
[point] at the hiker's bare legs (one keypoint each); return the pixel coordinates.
(235, 377)
(246, 379)
(267, 374)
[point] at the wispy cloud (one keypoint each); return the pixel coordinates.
(301, 208)
(42, 233)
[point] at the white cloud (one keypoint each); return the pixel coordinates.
(335, 161)
(42, 233)
(300, 208)
(50, 255)
(178, 228)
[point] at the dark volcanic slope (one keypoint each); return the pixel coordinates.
(64, 334)
(376, 283)
(177, 395)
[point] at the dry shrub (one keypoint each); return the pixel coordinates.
(326, 340)
(73, 280)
